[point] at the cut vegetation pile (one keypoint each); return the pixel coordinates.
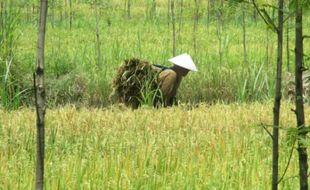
(135, 83)
(289, 86)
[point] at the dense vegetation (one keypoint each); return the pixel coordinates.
(209, 147)
(212, 34)
(192, 146)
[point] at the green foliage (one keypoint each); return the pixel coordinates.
(71, 55)
(305, 4)
(148, 95)
(9, 85)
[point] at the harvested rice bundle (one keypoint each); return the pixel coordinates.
(136, 83)
(289, 86)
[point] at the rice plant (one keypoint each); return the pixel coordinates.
(203, 147)
(71, 54)
(10, 90)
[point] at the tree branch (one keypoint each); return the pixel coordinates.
(291, 14)
(265, 128)
(288, 163)
(268, 21)
(305, 37)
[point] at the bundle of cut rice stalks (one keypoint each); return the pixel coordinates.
(136, 83)
(289, 86)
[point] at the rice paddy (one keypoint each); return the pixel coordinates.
(213, 140)
(203, 147)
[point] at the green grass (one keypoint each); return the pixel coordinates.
(186, 147)
(207, 147)
(71, 54)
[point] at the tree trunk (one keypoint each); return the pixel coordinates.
(288, 44)
(40, 96)
(173, 27)
(66, 14)
(277, 101)
(168, 13)
(219, 35)
(196, 16)
(2, 15)
(70, 14)
(28, 13)
(222, 13)
(53, 12)
(300, 115)
(212, 7)
(60, 13)
(154, 8)
(244, 34)
(128, 8)
(98, 36)
(254, 14)
(180, 17)
(208, 18)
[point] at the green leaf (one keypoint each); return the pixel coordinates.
(291, 135)
(292, 5)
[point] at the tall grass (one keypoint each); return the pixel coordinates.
(70, 53)
(10, 90)
(216, 147)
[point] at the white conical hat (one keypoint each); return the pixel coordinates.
(184, 60)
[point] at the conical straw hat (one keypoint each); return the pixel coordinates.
(184, 60)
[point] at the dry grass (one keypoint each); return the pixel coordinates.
(207, 147)
(135, 81)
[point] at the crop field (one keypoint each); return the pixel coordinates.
(207, 147)
(77, 73)
(214, 139)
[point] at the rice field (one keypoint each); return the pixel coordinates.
(213, 140)
(74, 75)
(185, 147)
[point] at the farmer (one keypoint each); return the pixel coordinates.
(169, 79)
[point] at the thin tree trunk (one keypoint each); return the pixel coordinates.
(70, 14)
(219, 35)
(267, 46)
(2, 15)
(53, 12)
(288, 44)
(208, 18)
(33, 8)
(222, 13)
(60, 13)
(98, 37)
(180, 17)
(300, 115)
(128, 8)
(66, 14)
(244, 34)
(254, 14)
(28, 14)
(195, 25)
(212, 7)
(173, 27)
(277, 101)
(40, 97)
(168, 13)
(154, 8)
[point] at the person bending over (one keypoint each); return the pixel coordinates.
(169, 79)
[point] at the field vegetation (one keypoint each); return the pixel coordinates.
(215, 139)
(76, 74)
(207, 147)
